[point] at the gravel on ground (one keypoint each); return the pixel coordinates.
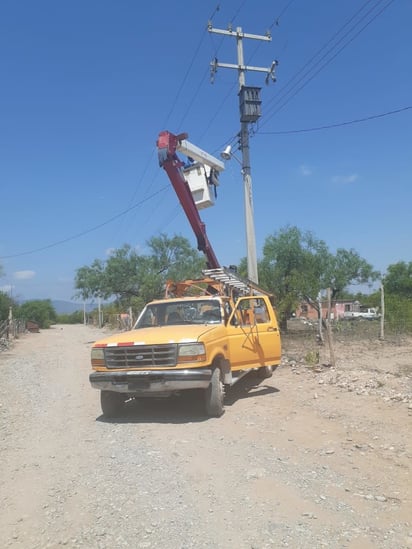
(313, 457)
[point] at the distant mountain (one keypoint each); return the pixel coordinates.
(68, 307)
(65, 307)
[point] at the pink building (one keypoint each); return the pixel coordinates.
(338, 309)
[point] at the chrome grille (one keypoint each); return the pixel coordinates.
(141, 356)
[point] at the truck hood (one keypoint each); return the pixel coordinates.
(157, 335)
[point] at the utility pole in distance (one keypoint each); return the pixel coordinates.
(249, 105)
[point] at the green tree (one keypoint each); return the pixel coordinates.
(89, 280)
(77, 317)
(296, 266)
(123, 274)
(346, 268)
(398, 313)
(134, 279)
(292, 267)
(175, 259)
(398, 280)
(5, 303)
(40, 311)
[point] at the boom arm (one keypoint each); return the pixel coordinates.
(167, 145)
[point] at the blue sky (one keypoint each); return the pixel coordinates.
(88, 85)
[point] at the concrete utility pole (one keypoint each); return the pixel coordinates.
(249, 103)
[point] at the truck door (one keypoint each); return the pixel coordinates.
(253, 334)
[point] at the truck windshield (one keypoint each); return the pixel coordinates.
(180, 312)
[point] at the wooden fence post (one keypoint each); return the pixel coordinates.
(329, 330)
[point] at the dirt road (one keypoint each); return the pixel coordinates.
(310, 458)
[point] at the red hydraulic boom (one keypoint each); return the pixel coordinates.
(167, 145)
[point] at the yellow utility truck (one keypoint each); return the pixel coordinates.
(205, 334)
(183, 342)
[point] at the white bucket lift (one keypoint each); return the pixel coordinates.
(198, 176)
(202, 175)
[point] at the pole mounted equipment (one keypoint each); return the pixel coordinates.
(240, 66)
(250, 111)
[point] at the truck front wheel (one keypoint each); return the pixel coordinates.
(214, 395)
(264, 372)
(112, 403)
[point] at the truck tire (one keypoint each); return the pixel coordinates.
(112, 403)
(265, 372)
(214, 395)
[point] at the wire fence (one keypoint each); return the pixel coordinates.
(9, 330)
(342, 330)
(349, 331)
(120, 322)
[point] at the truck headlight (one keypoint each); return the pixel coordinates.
(191, 352)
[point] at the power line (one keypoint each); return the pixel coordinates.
(195, 55)
(232, 20)
(275, 22)
(287, 95)
(185, 78)
(318, 52)
(235, 138)
(190, 104)
(338, 124)
(267, 118)
(141, 178)
(298, 75)
(225, 99)
(281, 14)
(83, 233)
(189, 67)
(176, 98)
(183, 82)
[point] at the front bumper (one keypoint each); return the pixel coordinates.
(149, 382)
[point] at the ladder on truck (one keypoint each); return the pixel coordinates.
(233, 282)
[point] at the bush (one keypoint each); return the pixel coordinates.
(5, 303)
(40, 311)
(73, 318)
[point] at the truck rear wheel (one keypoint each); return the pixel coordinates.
(112, 403)
(214, 395)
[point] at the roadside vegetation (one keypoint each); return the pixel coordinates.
(295, 266)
